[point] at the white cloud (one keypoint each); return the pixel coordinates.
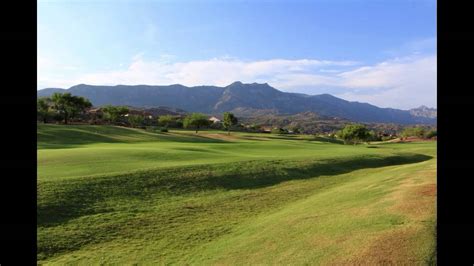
(216, 71)
(416, 46)
(399, 83)
(138, 56)
(402, 83)
(329, 70)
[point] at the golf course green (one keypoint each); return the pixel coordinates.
(118, 195)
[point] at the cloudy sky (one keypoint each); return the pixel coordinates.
(380, 52)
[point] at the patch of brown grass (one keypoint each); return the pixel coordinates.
(415, 199)
(256, 138)
(411, 139)
(394, 247)
(427, 190)
(223, 136)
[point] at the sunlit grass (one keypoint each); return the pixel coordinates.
(118, 195)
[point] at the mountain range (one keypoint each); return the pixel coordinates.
(244, 100)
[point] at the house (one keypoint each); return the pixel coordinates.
(214, 119)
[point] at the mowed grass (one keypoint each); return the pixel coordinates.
(118, 195)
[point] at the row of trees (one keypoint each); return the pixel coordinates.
(61, 105)
(197, 121)
(64, 107)
(355, 133)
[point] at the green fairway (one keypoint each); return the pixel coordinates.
(118, 195)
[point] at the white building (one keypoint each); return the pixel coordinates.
(214, 119)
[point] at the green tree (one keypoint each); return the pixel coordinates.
(69, 106)
(166, 120)
(432, 133)
(420, 132)
(135, 120)
(229, 121)
(354, 133)
(43, 107)
(60, 104)
(113, 113)
(79, 105)
(373, 136)
(178, 123)
(195, 120)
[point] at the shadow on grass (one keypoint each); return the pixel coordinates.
(330, 140)
(69, 199)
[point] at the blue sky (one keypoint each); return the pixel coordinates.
(381, 52)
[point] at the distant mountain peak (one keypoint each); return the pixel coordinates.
(327, 95)
(239, 83)
(424, 111)
(235, 83)
(248, 98)
(425, 108)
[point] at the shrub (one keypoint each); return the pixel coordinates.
(279, 130)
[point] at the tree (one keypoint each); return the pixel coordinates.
(373, 136)
(195, 120)
(68, 106)
(60, 104)
(78, 105)
(354, 133)
(135, 120)
(432, 133)
(229, 121)
(43, 106)
(113, 113)
(166, 120)
(178, 123)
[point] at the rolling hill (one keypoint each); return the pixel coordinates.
(241, 98)
(122, 196)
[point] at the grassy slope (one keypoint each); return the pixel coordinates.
(232, 199)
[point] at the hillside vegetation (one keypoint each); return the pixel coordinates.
(118, 195)
(241, 99)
